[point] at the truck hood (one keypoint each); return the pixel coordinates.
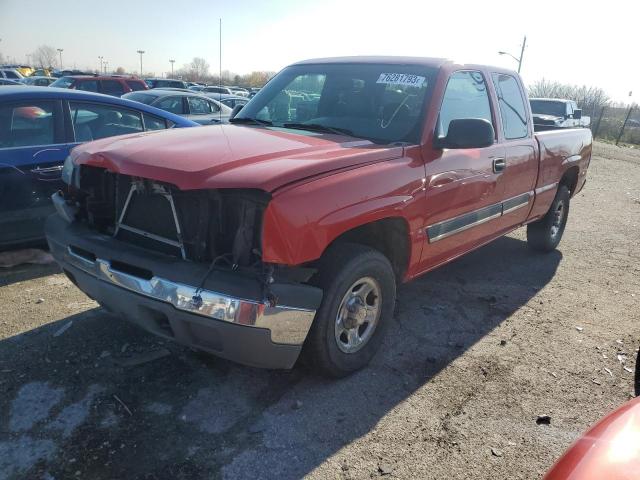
(230, 156)
(548, 118)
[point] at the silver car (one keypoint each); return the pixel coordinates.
(195, 107)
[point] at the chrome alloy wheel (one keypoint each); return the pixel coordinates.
(358, 315)
(557, 219)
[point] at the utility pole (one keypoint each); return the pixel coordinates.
(524, 43)
(172, 62)
(60, 50)
(140, 52)
(517, 59)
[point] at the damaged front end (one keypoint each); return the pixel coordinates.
(181, 257)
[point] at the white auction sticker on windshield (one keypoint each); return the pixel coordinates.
(401, 79)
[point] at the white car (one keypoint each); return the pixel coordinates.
(557, 113)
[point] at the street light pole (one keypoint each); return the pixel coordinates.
(172, 62)
(517, 59)
(141, 52)
(60, 50)
(100, 57)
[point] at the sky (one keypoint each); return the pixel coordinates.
(568, 41)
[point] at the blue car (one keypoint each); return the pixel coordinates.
(38, 128)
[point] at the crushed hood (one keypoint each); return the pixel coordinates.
(230, 156)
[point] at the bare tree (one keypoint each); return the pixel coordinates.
(45, 56)
(590, 99)
(195, 71)
(120, 71)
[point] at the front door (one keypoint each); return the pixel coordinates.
(32, 151)
(463, 187)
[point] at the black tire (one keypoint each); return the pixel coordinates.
(340, 269)
(545, 234)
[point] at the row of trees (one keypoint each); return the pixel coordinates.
(590, 99)
(198, 71)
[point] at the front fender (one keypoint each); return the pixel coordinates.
(300, 223)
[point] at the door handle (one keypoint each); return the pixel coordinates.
(499, 164)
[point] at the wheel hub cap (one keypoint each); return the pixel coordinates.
(358, 315)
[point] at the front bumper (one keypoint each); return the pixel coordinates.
(230, 319)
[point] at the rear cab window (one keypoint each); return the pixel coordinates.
(511, 105)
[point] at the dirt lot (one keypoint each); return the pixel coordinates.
(477, 351)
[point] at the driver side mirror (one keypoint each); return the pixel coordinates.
(467, 133)
(577, 114)
(235, 110)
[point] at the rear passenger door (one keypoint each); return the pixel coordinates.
(32, 151)
(463, 187)
(516, 133)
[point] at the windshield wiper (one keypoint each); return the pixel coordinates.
(253, 121)
(316, 127)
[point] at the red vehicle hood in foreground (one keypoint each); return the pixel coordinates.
(230, 156)
(610, 450)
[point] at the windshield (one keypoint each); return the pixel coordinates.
(140, 97)
(548, 107)
(62, 82)
(379, 102)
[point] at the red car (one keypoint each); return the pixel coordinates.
(291, 227)
(109, 84)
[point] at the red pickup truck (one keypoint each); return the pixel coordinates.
(288, 230)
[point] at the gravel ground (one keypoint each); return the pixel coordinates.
(477, 351)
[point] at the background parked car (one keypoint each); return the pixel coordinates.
(43, 72)
(11, 74)
(228, 100)
(24, 70)
(196, 107)
(5, 81)
(239, 91)
(38, 128)
(165, 82)
(109, 85)
(38, 81)
(216, 89)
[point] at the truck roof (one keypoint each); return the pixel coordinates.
(433, 62)
(541, 99)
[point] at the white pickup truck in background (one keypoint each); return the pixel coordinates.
(550, 113)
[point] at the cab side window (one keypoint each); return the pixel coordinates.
(27, 125)
(465, 97)
(511, 104)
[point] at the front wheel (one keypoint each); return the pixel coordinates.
(545, 234)
(359, 296)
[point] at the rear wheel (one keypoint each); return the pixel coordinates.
(545, 234)
(359, 296)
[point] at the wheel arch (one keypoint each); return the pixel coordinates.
(389, 236)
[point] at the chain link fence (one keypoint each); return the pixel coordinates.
(617, 124)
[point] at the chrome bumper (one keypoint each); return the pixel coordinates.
(287, 325)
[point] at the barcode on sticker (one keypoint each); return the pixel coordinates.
(401, 79)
